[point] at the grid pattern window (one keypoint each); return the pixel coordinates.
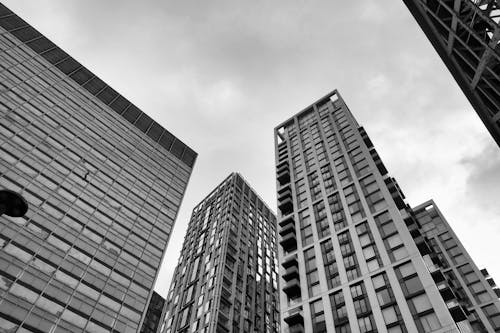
(373, 194)
(339, 311)
(418, 301)
(318, 317)
(369, 248)
(330, 264)
(392, 239)
(359, 162)
(337, 211)
(322, 224)
(102, 198)
(306, 229)
(312, 274)
(349, 255)
(362, 308)
(354, 204)
(388, 305)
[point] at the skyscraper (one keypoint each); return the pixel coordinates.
(103, 182)
(465, 33)
(473, 287)
(226, 278)
(153, 314)
(354, 257)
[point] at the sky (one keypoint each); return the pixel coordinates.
(220, 75)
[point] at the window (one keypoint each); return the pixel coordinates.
(366, 324)
(318, 317)
(337, 211)
(372, 193)
(354, 204)
(429, 322)
(369, 248)
(331, 269)
(392, 240)
(311, 272)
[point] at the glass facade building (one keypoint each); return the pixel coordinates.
(466, 34)
(152, 318)
(226, 278)
(103, 182)
(353, 256)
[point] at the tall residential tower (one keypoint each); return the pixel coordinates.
(103, 182)
(226, 278)
(354, 257)
(466, 34)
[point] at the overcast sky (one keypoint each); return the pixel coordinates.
(221, 74)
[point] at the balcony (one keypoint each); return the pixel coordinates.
(292, 288)
(284, 193)
(456, 311)
(283, 173)
(288, 228)
(285, 205)
(446, 292)
(289, 242)
(286, 221)
(378, 162)
(290, 261)
(396, 193)
(291, 272)
(365, 137)
(295, 322)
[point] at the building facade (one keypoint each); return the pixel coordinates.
(473, 288)
(226, 278)
(466, 34)
(103, 182)
(153, 314)
(353, 255)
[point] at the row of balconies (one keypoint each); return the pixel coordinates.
(295, 321)
(288, 235)
(491, 282)
(283, 173)
(396, 192)
(365, 137)
(285, 200)
(291, 277)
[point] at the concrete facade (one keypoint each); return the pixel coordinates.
(353, 257)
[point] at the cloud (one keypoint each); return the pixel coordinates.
(221, 74)
(483, 181)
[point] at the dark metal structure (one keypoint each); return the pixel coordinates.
(466, 33)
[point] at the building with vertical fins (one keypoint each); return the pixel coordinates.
(226, 278)
(353, 256)
(153, 314)
(103, 182)
(466, 34)
(474, 289)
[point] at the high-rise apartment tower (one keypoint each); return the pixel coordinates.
(473, 287)
(354, 257)
(226, 278)
(153, 314)
(103, 182)
(466, 33)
